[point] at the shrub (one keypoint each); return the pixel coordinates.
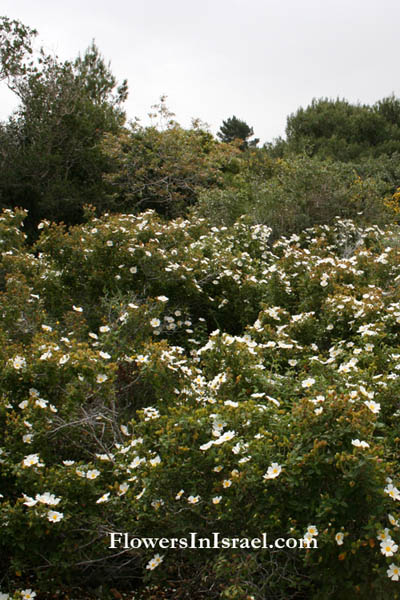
(163, 378)
(295, 193)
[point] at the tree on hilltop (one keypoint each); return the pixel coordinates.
(235, 129)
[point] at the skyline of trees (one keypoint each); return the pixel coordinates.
(69, 146)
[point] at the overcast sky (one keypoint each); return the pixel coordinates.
(256, 59)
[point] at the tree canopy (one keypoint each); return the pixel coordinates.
(163, 167)
(51, 161)
(235, 129)
(344, 131)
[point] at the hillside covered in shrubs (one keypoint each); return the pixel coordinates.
(153, 375)
(197, 338)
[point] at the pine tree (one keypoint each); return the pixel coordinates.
(236, 129)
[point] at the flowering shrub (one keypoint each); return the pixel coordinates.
(166, 378)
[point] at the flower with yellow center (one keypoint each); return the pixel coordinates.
(54, 516)
(193, 499)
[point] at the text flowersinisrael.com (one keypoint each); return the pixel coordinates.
(119, 540)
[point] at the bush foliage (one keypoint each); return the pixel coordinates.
(297, 192)
(152, 376)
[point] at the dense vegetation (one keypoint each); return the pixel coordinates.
(196, 336)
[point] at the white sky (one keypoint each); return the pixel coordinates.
(256, 59)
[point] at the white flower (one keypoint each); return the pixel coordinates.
(54, 516)
(101, 378)
(339, 537)
(104, 456)
(136, 462)
(104, 355)
(193, 499)
(141, 494)
(392, 491)
(155, 461)
(31, 460)
(226, 483)
(312, 530)
(41, 402)
(18, 362)
(124, 430)
(28, 594)
(273, 471)
(388, 547)
(150, 413)
(231, 403)
(63, 359)
(104, 329)
(307, 536)
(364, 330)
(393, 572)
(47, 328)
(393, 521)
(307, 383)
(103, 498)
(154, 562)
(77, 308)
(217, 499)
(225, 437)
(46, 355)
(27, 439)
(155, 322)
(179, 494)
(48, 498)
(29, 501)
(236, 448)
(92, 474)
(123, 488)
(384, 535)
(68, 463)
(140, 359)
(218, 425)
(360, 444)
(373, 406)
(162, 298)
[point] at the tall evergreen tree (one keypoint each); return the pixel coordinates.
(51, 161)
(236, 129)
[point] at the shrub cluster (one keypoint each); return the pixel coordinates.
(298, 192)
(167, 378)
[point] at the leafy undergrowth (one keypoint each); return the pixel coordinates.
(163, 379)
